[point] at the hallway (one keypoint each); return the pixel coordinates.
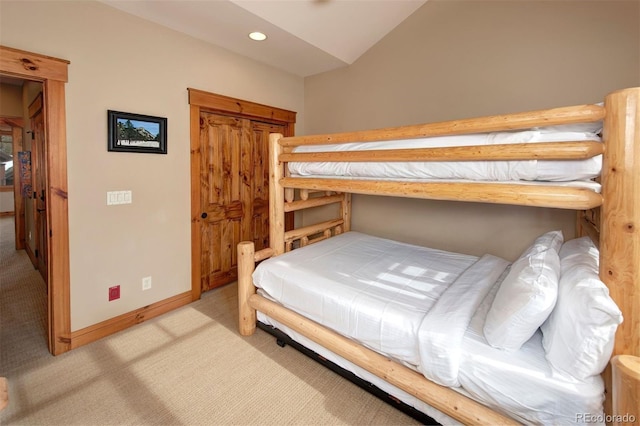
(23, 304)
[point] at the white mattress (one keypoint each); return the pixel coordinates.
(380, 292)
(349, 281)
(531, 170)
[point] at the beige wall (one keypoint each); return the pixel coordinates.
(458, 59)
(124, 63)
(10, 100)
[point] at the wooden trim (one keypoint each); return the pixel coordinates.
(32, 66)
(36, 105)
(6, 188)
(31, 255)
(57, 216)
(7, 214)
(238, 107)
(196, 208)
(113, 325)
(53, 73)
(11, 121)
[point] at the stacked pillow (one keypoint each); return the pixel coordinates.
(556, 287)
(527, 295)
(579, 335)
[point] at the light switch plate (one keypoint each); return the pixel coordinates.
(119, 197)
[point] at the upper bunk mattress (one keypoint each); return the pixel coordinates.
(530, 170)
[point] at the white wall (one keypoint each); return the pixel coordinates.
(459, 59)
(123, 63)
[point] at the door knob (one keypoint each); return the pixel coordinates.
(204, 215)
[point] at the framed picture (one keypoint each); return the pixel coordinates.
(136, 133)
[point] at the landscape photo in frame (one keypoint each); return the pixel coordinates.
(136, 133)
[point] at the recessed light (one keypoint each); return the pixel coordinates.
(257, 36)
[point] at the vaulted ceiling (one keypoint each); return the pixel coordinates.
(304, 37)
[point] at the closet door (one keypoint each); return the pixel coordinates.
(260, 182)
(234, 192)
(225, 142)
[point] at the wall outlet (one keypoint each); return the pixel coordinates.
(146, 283)
(114, 293)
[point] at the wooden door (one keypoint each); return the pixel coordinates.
(229, 182)
(234, 192)
(39, 169)
(260, 179)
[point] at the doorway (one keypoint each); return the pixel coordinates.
(229, 182)
(52, 73)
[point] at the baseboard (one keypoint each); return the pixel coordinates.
(32, 256)
(124, 321)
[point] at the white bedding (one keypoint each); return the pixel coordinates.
(386, 295)
(531, 170)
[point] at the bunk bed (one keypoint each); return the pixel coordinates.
(603, 191)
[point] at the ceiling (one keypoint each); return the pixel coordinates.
(305, 37)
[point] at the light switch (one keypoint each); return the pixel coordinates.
(119, 197)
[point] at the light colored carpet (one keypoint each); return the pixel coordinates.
(187, 367)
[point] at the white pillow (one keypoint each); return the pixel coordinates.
(526, 296)
(579, 335)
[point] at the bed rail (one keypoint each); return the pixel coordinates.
(444, 399)
(509, 152)
(495, 123)
(497, 193)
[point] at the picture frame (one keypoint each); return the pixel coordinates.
(140, 133)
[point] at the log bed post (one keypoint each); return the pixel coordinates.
(620, 246)
(246, 265)
(276, 195)
(620, 220)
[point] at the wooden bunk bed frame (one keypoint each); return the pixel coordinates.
(615, 228)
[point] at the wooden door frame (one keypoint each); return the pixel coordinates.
(224, 105)
(53, 74)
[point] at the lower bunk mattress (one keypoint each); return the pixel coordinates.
(424, 308)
